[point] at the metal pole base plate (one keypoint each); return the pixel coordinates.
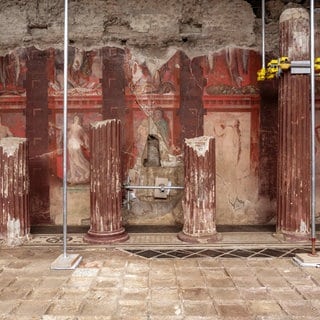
(307, 260)
(68, 262)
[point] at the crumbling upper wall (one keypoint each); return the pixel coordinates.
(194, 26)
(148, 27)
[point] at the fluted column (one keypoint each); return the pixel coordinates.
(293, 188)
(105, 190)
(14, 191)
(199, 202)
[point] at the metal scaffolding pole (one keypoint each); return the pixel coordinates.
(263, 34)
(312, 99)
(311, 260)
(65, 261)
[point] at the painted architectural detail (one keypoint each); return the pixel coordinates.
(84, 72)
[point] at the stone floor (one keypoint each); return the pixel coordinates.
(117, 282)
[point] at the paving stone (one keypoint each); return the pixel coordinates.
(214, 273)
(32, 308)
(156, 317)
(186, 264)
(191, 282)
(25, 282)
(220, 283)
(12, 293)
(225, 294)
(159, 294)
(240, 271)
(300, 308)
(285, 294)
(166, 308)
(137, 267)
(128, 308)
(265, 307)
(273, 282)
(17, 264)
(210, 263)
(233, 310)
(199, 309)
(135, 281)
(112, 271)
(315, 303)
(6, 281)
(90, 317)
(212, 317)
(143, 293)
(40, 294)
(85, 272)
(234, 263)
(255, 293)
(274, 317)
(91, 264)
(51, 282)
(282, 264)
(266, 272)
(164, 264)
(56, 317)
(152, 289)
(7, 306)
(163, 281)
(64, 308)
(303, 282)
(201, 294)
(103, 307)
(105, 282)
(247, 282)
(78, 283)
(161, 273)
(310, 292)
(101, 293)
(70, 295)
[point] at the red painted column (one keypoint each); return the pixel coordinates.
(199, 203)
(14, 191)
(293, 188)
(105, 190)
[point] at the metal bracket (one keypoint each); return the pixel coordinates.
(300, 67)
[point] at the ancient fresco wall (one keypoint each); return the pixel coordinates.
(215, 95)
(168, 72)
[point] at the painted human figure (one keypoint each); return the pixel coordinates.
(230, 142)
(78, 140)
(4, 131)
(162, 126)
(228, 146)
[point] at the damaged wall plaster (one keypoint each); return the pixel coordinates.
(149, 28)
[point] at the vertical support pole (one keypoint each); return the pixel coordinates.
(199, 203)
(293, 187)
(14, 191)
(263, 34)
(65, 127)
(312, 133)
(65, 261)
(105, 187)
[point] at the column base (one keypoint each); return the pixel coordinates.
(291, 236)
(106, 237)
(199, 239)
